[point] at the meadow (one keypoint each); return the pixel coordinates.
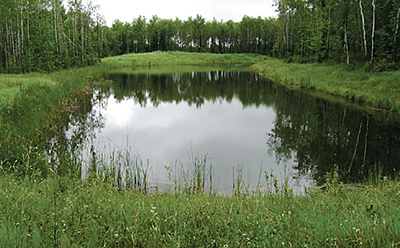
(45, 203)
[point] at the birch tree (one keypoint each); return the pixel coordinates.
(373, 30)
(363, 28)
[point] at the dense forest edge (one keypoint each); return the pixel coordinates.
(44, 36)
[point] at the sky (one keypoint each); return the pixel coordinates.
(127, 10)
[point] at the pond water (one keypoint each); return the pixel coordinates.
(231, 127)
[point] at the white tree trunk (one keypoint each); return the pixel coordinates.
(363, 26)
(346, 43)
(373, 30)
(55, 24)
(395, 37)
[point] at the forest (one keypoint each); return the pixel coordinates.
(49, 35)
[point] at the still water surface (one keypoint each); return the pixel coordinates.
(241, 125)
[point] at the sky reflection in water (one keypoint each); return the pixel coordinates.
(232, 136)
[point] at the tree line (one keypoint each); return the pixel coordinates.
(251, 35)
(340, 31)
(47, 35)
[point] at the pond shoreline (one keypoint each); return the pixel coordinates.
(377, 91)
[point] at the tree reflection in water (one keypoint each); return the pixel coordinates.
(319, 135)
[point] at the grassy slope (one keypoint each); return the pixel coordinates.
(181, 58)
(10, 84)
(378, 90)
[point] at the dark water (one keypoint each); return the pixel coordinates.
(243, 125)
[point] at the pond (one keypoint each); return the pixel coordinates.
(227, 129)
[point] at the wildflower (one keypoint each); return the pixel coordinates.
(226, 246)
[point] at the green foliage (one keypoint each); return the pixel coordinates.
(332, 31)
(44, 36)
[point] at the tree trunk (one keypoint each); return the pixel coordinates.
(82, 38)
(346, 43)
(373, 30)
(396, 34)
(363, 26)
(55, 24)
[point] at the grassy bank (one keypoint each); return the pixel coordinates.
(180, 58)
(379, 90)
(10, 85)
(64, 212)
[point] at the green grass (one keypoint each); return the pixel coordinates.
(180, 58)
(65, 212)
(379, 90)
(10, 84)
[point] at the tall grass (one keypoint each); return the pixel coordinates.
(122, 164)
(64, 212)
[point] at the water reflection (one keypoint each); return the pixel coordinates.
(242, 121)
(173, 118)
(322, 135)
